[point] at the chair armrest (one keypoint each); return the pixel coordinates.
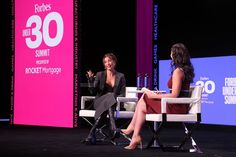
(164, 102)
(84, 99)
(124, 99)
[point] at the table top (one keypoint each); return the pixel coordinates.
(141, 91)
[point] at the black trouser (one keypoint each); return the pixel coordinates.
(111, 111)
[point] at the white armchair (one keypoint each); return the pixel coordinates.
(193, 116)
(129, 102)
(85, 112)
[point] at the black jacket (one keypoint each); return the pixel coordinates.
(97, 84)
(104, 100)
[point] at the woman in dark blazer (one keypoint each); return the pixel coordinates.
(106, 85)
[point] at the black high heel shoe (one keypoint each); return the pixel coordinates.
(90, 140)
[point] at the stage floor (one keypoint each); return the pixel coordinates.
(33, 141)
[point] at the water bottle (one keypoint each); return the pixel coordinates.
(146, 81)
(138, 82)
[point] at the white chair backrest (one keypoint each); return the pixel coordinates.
(196, 92)
(130, 93)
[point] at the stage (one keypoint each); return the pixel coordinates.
(32, 141)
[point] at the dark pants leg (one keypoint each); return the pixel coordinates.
(91, 138)
(113, 128)
(112, 118)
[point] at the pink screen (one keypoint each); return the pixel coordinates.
(43, 81)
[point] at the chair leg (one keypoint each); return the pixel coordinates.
(90, 123)
(91, 138)
(96, 128)
(179, 148)
(188, 136)
(155, 135)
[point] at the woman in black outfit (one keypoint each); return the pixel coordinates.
(107, 85)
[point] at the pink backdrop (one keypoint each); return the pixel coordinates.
(43, 81)
(144, 38)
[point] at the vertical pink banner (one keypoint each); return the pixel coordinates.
(144, 37)
(43, 80)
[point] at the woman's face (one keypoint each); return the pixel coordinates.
(108, 63)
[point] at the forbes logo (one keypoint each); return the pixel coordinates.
(208, 85)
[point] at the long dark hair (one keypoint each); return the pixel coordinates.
(181, 59)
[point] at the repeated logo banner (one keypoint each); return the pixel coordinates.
(155, 45)
(217, 76)
(43, 76)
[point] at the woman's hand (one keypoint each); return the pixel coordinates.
(90, 74)
(149, 93)
(145, 90)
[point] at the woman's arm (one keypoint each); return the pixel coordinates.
(93, 83)
(123, 86)
(177, 78)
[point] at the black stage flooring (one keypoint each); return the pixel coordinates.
(34, 141)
